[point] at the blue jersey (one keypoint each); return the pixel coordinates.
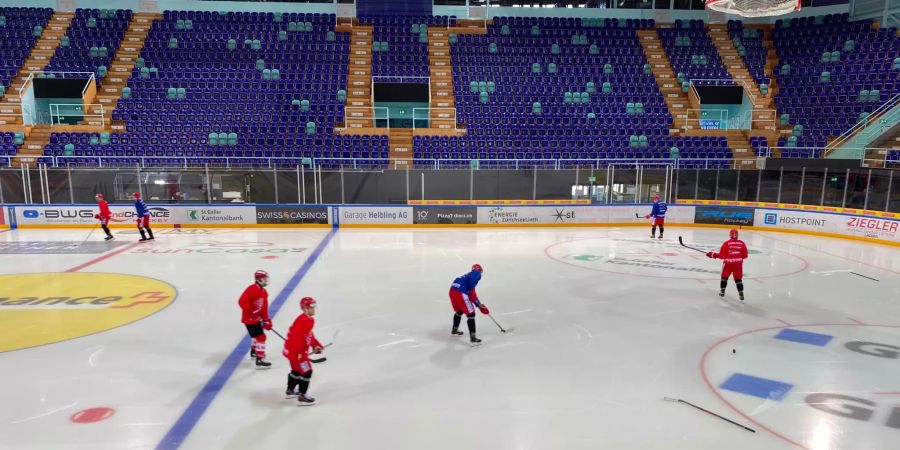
(659, 209)
(466, 283)
(141, 208)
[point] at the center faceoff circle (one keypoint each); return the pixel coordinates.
(43, 308)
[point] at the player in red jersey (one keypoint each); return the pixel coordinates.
(733, 253)
(254, 303)
(300, 340)
(104, 215)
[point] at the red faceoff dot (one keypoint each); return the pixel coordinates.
(270, 257)
(92, 415)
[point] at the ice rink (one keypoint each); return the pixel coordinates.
(121, 345)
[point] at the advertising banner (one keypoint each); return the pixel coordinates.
(292, 214)
(724, 215)
(868, 227)
(376, 215)
(84, 215)
(445, 214)
(216, 215)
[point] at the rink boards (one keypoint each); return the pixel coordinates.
(871, 226)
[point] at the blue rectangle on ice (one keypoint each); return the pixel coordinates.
(804, 337)
(757, 387)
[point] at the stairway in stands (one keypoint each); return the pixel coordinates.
(120, 69)
(443, 105)
(675, 99)
(36, 136)
(40, 55)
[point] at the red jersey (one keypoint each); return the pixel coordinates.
(104, 209)
(732, 251)
(300, 336)
(254, 304)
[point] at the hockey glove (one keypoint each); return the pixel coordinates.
(267, 324)
(484, 309)
(710, 255)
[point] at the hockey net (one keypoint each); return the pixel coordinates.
(754, 8)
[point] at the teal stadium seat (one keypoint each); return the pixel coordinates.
(633, 141)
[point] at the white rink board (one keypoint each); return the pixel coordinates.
(848, 225)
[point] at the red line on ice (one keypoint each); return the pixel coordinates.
(719, 395)
(103, 257)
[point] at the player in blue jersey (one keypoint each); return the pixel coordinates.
(142, 217)
(658, 213)
(464, 300)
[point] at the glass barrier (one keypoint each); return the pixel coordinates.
(872, 189)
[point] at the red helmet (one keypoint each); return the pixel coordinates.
(98, 196)
(477, 268)
(656, 196)
(136, 195)
(307, 302)
(733, 233)
(260, 274)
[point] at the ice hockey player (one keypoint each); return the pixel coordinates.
(733, 253)
(658, 213)
(254, 303)
(104, 215)
(143, 217)
(464, 300)
(300, 340)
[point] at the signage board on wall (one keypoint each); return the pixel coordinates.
(859, 226)
(376, 215)
(292, 214)
(445, 215)
(724, 215)
(84, 215)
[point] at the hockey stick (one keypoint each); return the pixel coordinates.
(688, 246)
(314, 360)
(668, 399)
(498, 325)
(88, 237)
(636, 216)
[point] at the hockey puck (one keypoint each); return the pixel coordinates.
(733, 351)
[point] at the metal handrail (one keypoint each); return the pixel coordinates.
(859, 126)
(84, 114)
(687, 118)
(373, 116)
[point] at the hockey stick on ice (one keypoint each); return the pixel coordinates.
(688, 246)
(498, 325)
(669, 399)
(88, 237)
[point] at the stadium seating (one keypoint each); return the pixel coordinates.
(585, 79)
(250, 86)
(17, 36)
(93, 38)
(827, 106)
(220, 88)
